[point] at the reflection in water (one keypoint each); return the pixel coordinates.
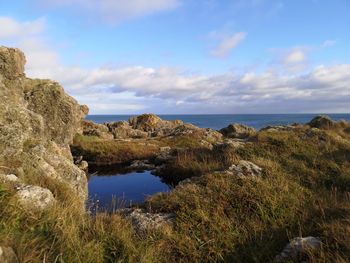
(117, 187)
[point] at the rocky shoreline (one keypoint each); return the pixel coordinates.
(236, 190)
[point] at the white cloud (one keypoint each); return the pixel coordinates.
(328, 43)
(227, 44)
(12, 29)
(295, 56)
(114, 11)
(324, 86)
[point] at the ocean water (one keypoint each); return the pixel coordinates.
(218, 121)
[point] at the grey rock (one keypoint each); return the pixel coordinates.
(143, 220)
(34, 197)
(141, 165)
(7, 255)
(297, 247)
(245, 169)
(278, 128)
(9, 178)
(38, 121)
(186, 181)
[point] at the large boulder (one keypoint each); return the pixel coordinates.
(38, 121)
(238, 131)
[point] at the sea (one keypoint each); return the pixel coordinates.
(219, 121)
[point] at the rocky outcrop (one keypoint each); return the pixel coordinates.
(298, 248)
(123, 130)
(99, 130)
(326, 123)
(322, 122)
(238, 131)
(154, 125)
(37, 123)
(7, 255)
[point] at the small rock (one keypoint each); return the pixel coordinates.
(246, 168)
(7, 255)
(143, 220)
(278, 128)
(36, 197)
(9, 178)
(165, 149)
(186, 181)
(141, 165)
(298, 247)
(83, 165)
(78, 159)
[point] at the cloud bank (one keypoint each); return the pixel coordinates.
(136, 89)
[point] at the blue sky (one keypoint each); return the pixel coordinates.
(187, 56)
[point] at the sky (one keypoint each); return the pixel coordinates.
(188, 56)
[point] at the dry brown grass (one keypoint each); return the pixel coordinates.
(104, 152)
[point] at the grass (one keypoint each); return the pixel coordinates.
(219, 217)
(104, 152)
(194, 162)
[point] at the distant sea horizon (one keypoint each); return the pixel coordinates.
(218, 121)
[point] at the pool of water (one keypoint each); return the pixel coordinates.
(117, 189)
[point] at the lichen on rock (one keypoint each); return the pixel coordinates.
(38, 121)
(34, 197)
